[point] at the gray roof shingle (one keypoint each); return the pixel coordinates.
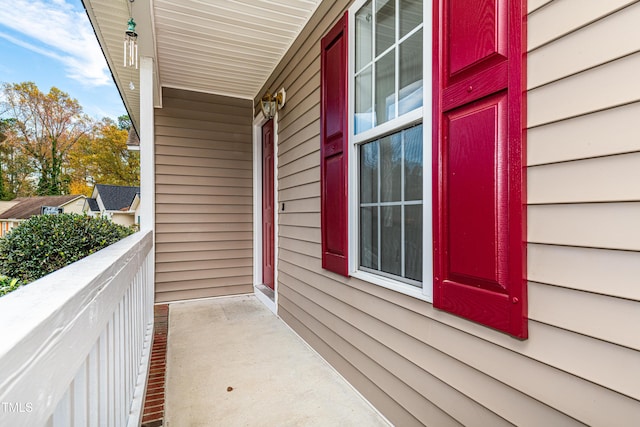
(116, 197)
(93, 205)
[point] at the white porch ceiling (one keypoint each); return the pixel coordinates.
(223, 46)
(226, 47)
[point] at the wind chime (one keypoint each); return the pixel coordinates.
(131, 45)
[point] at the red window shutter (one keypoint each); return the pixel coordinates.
(333, 149)
(479, 147)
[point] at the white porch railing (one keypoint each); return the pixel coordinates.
(74, 345)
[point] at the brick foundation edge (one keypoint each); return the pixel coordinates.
(151, 416)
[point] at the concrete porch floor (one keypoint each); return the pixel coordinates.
(232, 362)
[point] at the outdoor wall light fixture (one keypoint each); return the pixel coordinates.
(131, 42)
(269, 103)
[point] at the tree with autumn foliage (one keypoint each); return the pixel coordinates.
(47, 126)
(48, 146)
(103, 158)
(15, 165)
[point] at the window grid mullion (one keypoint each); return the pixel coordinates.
(396, 62)
(410, 33)
(374, 58)
(406, 203)
(393, 46)
(397, 113)
(402, 216)
(379, 222)
(374, 64)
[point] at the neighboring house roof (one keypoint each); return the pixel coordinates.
(133, 141)
(115, 197)
(30, 206)
(6, 205)
(93, 205)
(135, 201)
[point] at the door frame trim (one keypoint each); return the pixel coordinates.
(258, 122)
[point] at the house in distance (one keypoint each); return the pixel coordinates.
(113, 202)
(25, 207)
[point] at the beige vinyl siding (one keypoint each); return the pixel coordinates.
(536, 4)
(603, 87)
(203, 196)
(421, 366)
(594, 225)
(578, 137)
(586, 269)
(559, 18)
(582, 180)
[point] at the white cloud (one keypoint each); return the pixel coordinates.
(30, 46)
(56, 29)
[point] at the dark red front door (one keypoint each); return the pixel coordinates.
(268, 258)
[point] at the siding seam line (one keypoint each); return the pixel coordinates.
(573, 74)
(611, 107)
(586, 24)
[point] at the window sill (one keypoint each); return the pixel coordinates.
(394, 285)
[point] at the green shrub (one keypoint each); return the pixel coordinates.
(45, 243)
(7, 284)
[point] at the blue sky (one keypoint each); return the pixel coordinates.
(51, 43)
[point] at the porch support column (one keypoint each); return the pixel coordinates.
(147, 163)
(147, 146)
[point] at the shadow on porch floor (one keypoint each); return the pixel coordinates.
(231, 362)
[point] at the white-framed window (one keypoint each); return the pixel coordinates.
(390, 144)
